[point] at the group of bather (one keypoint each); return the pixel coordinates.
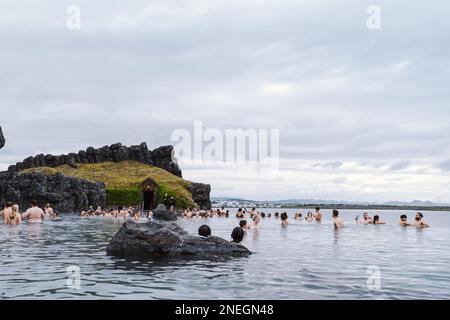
(10, 214)
(310, 217)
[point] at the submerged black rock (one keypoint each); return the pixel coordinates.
(2, 139)
(167, 239)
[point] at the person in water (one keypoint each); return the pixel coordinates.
(256, 222)
(240, 214)
(338, 222)
(420, 223)
(243, 224)
(404, 221)
(366, 219)
(14, 216)
(276, 215)
(137, 217)
(204, 231)
(48, 211)
(376, 220)
(318, 215)
(6, 211)
(237, 235)
(34, 214)
(309, 217)
(284, 219)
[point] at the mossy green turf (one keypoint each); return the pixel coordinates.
(122, 181)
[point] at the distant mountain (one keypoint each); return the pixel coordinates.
(416, 203)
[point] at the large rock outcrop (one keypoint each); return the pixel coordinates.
(166, 239)
(2, 139)
(201, 195)
(65, 194)
(161, 157)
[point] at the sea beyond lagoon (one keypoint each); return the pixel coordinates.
(301, 261)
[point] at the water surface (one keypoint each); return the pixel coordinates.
(302, 261)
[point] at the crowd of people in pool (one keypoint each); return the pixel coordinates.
(10, 215)
(317, 217)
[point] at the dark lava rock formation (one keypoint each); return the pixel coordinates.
(161, 213)
(201, 194)
(157, 239)
(66, 194)
(161, 157)
(2, 139)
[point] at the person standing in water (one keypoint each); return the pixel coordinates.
(256, 222)
(48, 211)
(6, 211)
(34, 214)
(366, 219)
(376, 220)
(404, 221)
(240, 214)
(237, 235)
(420, 223)
(338, 222)
(284, 219)
(318, 215)
(14, 217)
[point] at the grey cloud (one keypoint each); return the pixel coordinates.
(400, 165)
(328, 165)
(138, 70)
(444, 165)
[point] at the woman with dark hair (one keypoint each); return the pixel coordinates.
(376, 220)
(237, 235)
(284, 219)
(240, 214)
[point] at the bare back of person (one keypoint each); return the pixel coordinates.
(34, 214)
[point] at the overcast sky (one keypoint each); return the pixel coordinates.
(363, 114)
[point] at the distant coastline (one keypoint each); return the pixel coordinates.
(350, 207)
(368, 207)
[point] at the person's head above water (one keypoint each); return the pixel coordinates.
(335, 213)
(276, 214)
(237, 235)
(284, 216)
(204, 231)
(317, 209)
(34, 203)
(419, 216)
(243, 223)
(376, 218)
(403, 217)
(8, 204)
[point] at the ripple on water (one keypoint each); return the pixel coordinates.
(302, 261)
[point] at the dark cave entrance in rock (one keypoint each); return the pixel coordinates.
(149, 194)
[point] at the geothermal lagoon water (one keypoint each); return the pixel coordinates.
(302, 261)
